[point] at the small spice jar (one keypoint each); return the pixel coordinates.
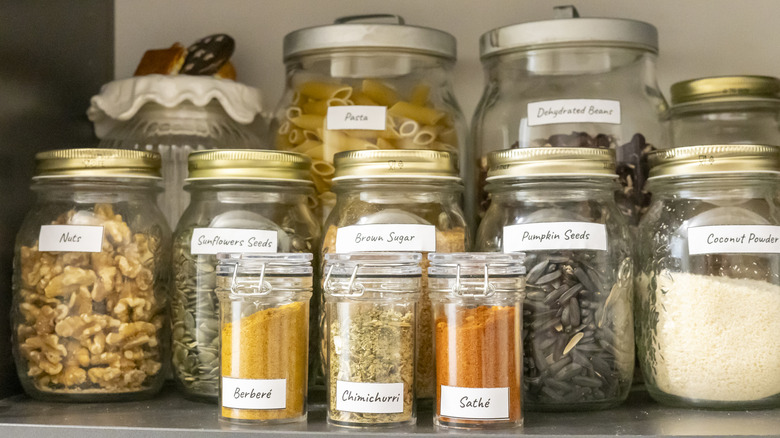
(264, 336)
(725, 110)
(478, 310)
(371, 302)
(91, 275)
(558, 206)
(400, 200)
(242, 201)
(708, 294)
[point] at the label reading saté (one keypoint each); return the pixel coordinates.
(70, 238)
(254, 393)
(370, 398)
(367, 117)
(550, 112)
(386, 237)
(475, 403)
(735, 239)
(554, 236)
(236, 240)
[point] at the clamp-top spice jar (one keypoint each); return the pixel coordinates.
(558, 206)
(708, 294)
(91, 274)
(369, 82)
(573, 82)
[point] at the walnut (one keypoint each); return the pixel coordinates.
(45, 352)
(104, 376)
(117, 231)
(133, 334)
(44, 321)
(84, 326)
(139, 307)
(71, 376)
(145, 279)
(69, 281)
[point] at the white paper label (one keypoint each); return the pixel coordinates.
(70, 238)
(555, 235)
(735, 239)
(386, 237)
(254, 393)
(475, 403)
(366, 117)
(236, 240)
(550, 112)
(370, 398)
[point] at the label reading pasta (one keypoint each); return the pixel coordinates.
(254, 393)
(237, 240)
(70, 238)
(735, 239)
(370, 398)
(554, 236)
(366, 117)
(386, 237)
(475, 403)
(550, 112)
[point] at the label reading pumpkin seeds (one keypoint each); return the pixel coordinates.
(254, 393)
(236, 240)
(734, 239)
(551, 112)
(367, 117)
(475, 403)
(386, 237)
(370, 398)
(70, 238)
(555, 236)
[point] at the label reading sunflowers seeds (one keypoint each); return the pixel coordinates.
(551, 112)
(236, 240)
(70, 238)
(254, 393)
(370, 398)
(734, 239)
(554, 236)
(365, 117)
(386, 237)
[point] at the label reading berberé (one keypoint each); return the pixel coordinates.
(550, 112)
(236, 240)
(735, 239)
(555, 235)
(70, 238)
(254, 393)
(475, 403)
(366, 117)
(386, 237)
(370, 398)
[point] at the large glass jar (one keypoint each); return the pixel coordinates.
(573, 82)
(363, 84)
(708, 290)
(242, 202)
(371, 303)
(725, 110)
(558, 206)
(91, 275)
(264, 336)
(405, 200)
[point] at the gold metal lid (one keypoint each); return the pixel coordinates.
(395, 163)
(726, 88)
(97, 163)
(711, 159)
(551, 161)
(248, 164)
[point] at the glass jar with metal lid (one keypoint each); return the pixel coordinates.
(91, 275)
(557, 205)
(399, 200)
(573, 82)
(708, 293)
(243, 202)
(369, 82)
(371, 308)
(725, 110)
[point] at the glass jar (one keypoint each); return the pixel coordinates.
(91, 275)
(369, 85)
(708, 294)
(403, 200)
(573, 82)
(264, 336)
(558, 206)
(371, 302)
(242, 202)
(725, 110)
(478, 311)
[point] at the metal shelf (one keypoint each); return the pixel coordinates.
(171, 416)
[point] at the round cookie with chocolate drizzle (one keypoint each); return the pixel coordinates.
(207, 55)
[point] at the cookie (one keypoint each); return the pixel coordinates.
(207, 55)
(162, 61)
(227, 71)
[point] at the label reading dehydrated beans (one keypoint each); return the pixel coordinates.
(550, 112)
(555, 236)
(735, 239)
(254, 393)
(475, 403)
(367, 117)
(370, 398)
(386, 237)
(236, 240)
(70, 238)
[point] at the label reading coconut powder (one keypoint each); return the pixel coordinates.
(366, 117)
(475, 403)
(370, 398)
(70, 238)
(554, 236)
(254, 393)
(734, 239)
(235, 240)
(550, 112)
(386, 237)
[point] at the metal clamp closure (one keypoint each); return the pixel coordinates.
(353, 289)
(487, 288)
(262, 288)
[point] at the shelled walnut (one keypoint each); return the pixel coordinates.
(91, 322)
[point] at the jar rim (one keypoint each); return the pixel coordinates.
(713, 159)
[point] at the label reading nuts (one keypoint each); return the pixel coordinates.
(364, 117)
(555, 236)
(236, 240)
(475, 403)
(370, 398)
(70, 238)
(254, 393)
(734, 239)
(386, 237)
(550, 112)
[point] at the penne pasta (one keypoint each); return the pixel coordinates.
(296, 136)
(382, 143)
(426, 116)
(312, 135)
(336, 141)
(425, 136)
(379, 92)
(359, 98)
(419, 95)
(283, 143)
(320, 107)
(297, 99)
(306, 146)
(284, 128)
(309, 122)
(293, 112)
(408, 128)
(325, 90)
